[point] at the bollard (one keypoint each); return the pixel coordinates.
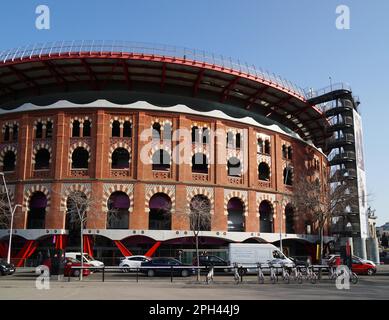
(104, 274)
(137, 269)
(171, 274)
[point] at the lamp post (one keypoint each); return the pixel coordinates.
(12, 210)
(280, 220)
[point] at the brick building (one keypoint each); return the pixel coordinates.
(110, 125)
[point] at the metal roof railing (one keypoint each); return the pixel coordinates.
(66, 47)
(310, 93)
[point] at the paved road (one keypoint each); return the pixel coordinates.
(124, 286)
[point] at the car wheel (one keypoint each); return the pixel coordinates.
(125, 268)
(184, 273)
(76, 273)
(370, 272)
(150, 273)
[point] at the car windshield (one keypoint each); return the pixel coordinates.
(87, 257)
(278, 255)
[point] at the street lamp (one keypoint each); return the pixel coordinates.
(12, 217)
(280, 214)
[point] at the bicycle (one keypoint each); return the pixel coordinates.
(273, 274)
(237, 276)
(285, 274)
(311, 275)
(335, 273)
(209, 277)
(296, 275)
(261, 276)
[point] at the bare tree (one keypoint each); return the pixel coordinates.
(321, 202)
(5, 212)
(199, 214)
(80, 209)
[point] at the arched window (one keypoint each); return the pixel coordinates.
(199, 163)
(236, 219)
(15, 132)
(6, 133)
(289, 219)
(238, 141)
(267, 147)
(260, 145)
(127, 129)
(156, 131)
(284, 152)
(195, 134)
(263, 171)
(290, 153)
(76, 206)
(86, 131)
(288, 176)
(9, 161)
(37, 211)
(161, 160)
(200, 213)
(76, 128)
(118, 214)
(42, 159)
(230, 140)
(39, 130)
(167, 131)
(206, 136)
(120, 159)
(116, 128)
(49, 129)
(80, 158)
(234, 167)
(265, 217)
(160, 206)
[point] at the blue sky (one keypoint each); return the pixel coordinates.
(296, 39)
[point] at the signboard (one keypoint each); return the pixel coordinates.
(361, 175)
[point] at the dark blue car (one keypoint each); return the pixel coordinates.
(163, 267)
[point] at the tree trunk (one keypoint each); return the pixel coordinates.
(197, 256)
(82, 250)
(321, 243)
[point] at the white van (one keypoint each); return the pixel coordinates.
(248, 255)
(87, 258)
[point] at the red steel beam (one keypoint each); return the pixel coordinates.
(197, 82)
(228, 88)
(255, 96)
(163, 77)
(92, 75)
(126, 74)
(152, 250)
(122, 248)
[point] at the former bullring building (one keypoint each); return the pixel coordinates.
(106, 122)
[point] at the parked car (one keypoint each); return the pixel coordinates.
(153, 264)
(6, 268)
(211, 260)
(69, 263)
(132, 262)
(87, 258)
(359, 266)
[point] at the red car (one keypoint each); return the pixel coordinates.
(359, 266)
(69, 263)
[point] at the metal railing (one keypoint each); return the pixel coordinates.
(310, 93)
(100, 47)
(235, 270)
